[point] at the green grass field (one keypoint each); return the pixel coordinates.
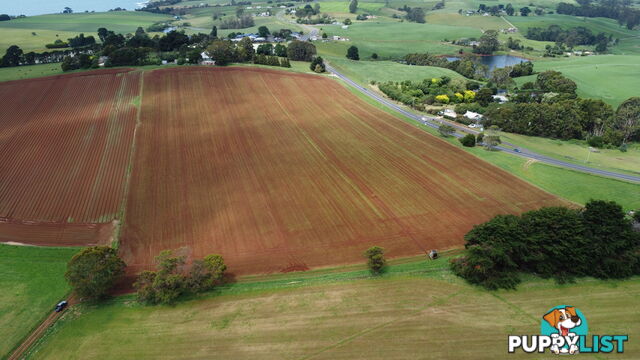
(393, 40)
(28, 72)
(32, 283)
(364, 71)
(48, 28)
(612, 78)
(596, 25)
(417, 310)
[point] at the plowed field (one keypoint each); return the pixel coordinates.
(65, 143)
(279, 172)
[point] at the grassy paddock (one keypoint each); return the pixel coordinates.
(32, 282)
(415, 310)
(364, 71)
(612, 78)
(28, 72)
(48, 28)
(395, 39)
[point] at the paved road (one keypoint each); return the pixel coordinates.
(524, 153)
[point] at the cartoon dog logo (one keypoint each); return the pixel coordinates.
(564, 320)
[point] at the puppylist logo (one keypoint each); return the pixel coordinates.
(564, 331)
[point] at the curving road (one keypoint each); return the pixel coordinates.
(435, 123)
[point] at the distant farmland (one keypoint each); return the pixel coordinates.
(65, 143)
(280, 172)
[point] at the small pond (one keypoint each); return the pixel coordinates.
(496, 61)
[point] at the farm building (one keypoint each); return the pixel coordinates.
(473, 116)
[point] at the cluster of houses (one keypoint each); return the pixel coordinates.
(473, 116)
(256, 38)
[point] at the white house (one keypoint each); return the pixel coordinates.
(473, 116)
(206, 59)
(449, 113)
(500, 98)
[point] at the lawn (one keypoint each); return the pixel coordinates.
(612, 78)
(571, 185)
(415, 310)
(364, 71)
(32, 283)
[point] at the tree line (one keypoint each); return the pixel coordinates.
(621, 10)
(553, 242)
(579, 35)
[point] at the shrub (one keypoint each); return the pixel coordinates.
(468, 140)
(446, 130)
(317, 65)
(444, 99)
(596, 141)
(93, 271)
(375, 259)
(480, 138)
(204, 274)
(169, 282)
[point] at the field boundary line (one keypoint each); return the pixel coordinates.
(129, 171)
(382, 325)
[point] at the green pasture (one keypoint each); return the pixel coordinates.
(32, 282)
(415, 310)
(596, 25)
(393, 40)
(34, 32)
(612, 78)
(364, 71)
(28, 72)
(118, 21)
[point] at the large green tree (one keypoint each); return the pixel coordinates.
(375, 259)
(628, 118)
(352, 53)
(488, 43)
(93, 271)
(353, 6)
(221, 51)
(12, 57)
(301, 51)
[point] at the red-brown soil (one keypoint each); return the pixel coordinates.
(65, 143)
(278, 171)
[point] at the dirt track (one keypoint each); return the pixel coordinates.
(21, 350)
